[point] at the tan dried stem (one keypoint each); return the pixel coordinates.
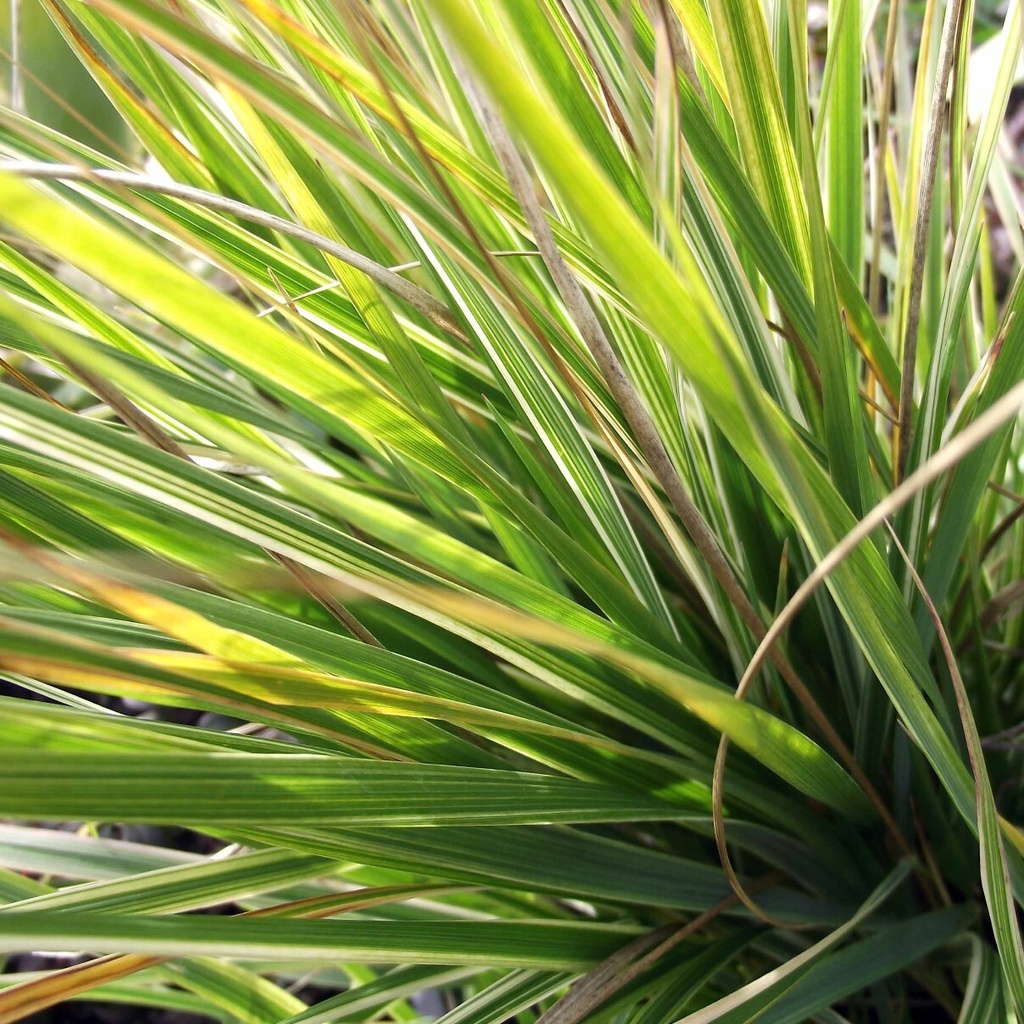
(422, 301)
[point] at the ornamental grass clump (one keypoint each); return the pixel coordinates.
(525, 494)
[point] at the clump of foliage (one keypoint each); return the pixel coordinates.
(558, 459)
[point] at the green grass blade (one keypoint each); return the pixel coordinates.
(243, 789)
(545, 945)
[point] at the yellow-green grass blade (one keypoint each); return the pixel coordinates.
(228, 330)
(153, 364)
(765, 144)
(229, 240)
(363, 679)
(699, 31)
(267, 268)
(366, 731)
(239, 686)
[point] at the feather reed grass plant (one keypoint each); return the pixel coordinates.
(550, 473)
